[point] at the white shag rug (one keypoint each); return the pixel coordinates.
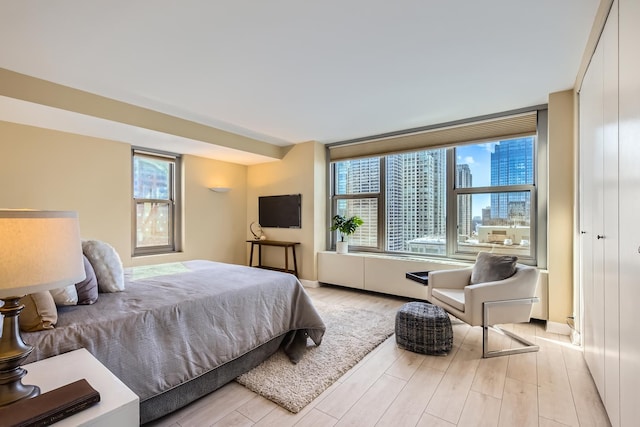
(351, 334)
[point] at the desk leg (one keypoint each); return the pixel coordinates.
(251, 256)
(295, 264)
(286, 260)
(259, 255)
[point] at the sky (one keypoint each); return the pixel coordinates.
(478, 157)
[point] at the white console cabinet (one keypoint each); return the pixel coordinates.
(376, 273)
(341, 269)
(386, 274)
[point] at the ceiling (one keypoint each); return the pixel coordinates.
(291, 71)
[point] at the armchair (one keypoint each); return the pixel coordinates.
(487, 304)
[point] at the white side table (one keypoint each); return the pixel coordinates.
(118, 405)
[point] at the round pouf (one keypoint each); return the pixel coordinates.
(423, 328)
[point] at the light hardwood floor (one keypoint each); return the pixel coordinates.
(394, 387)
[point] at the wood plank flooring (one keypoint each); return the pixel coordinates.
(394, 387)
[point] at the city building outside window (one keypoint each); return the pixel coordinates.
(449, 202)
(358, 192)
(155, 202)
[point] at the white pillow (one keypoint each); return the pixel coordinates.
(65, 296)
(106, 263)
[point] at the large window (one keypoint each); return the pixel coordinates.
(155, 202)
(495, 197)
(450, 202)
(357, 192)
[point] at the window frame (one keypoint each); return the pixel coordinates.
(452, 203)
(335, 198)
(537, 221)
(173, 202)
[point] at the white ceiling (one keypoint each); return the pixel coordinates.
(290, 71)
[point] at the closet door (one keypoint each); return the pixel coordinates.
(591, 219)
(610, 237)
(629, 178)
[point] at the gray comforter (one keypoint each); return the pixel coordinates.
(175, 322)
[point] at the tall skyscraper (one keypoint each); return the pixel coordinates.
(511, 164)
(358, 177)
(465, 207)
(416, 197)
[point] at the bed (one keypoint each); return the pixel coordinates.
(179, 331)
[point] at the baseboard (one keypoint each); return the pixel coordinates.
(558, 328)
(576, 338)
(310, 283)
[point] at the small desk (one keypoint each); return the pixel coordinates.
(285, 245)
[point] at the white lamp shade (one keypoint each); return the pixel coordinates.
(39, 251)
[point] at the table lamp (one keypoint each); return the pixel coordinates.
(39, 251)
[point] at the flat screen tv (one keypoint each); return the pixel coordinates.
(280, 211)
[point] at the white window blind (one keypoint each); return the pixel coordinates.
(506, 127)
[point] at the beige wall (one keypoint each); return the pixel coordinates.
(561, 155)
(214, 223)
(303, 171)
(53, 170)
(44, 169)
(321, 198)
(31, 89)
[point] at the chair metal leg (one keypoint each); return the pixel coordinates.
(528, 345)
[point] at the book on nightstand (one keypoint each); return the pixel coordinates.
(50, 407)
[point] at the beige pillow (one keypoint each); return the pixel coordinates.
(39, 312)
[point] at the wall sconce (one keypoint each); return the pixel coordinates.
(220, 189)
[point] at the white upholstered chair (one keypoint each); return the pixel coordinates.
(487, 304)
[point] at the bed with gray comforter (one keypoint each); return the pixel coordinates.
(179, 331)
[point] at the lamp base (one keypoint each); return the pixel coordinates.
(12, 389)
(13, 351)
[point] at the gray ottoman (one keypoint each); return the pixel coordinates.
(423, 328)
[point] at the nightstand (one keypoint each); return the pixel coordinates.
(118, 405)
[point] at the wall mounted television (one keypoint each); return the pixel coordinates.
(283, 211)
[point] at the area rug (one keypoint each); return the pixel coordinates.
(351, 334)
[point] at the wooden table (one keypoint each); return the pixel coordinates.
(285, 245)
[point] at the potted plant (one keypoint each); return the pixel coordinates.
(346, 227)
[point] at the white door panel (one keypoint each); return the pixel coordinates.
(591, 220)
(629, 215)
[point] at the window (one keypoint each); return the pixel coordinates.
(357, 192)
(155, 202)
(495, 196)
(417, 198)
(449, 202)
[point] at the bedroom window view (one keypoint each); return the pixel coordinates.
(494, 189)
(154, 200)
(493, 199)
(357, 192)
(416, 202)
